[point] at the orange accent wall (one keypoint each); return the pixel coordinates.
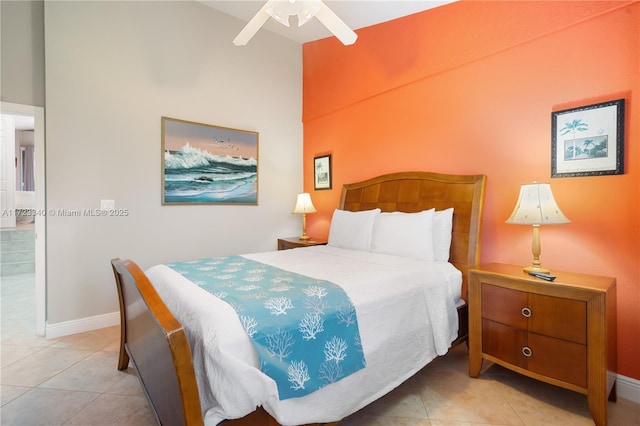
(469, 88)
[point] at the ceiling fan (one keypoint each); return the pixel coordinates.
(281, 10)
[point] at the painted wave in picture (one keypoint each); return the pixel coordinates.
(192, 175)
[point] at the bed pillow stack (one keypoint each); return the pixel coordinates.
(404, 234)
(442, 228)
(424, 235)
(352, 230)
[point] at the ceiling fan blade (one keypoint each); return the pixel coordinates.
(336, 25)
(252, 26)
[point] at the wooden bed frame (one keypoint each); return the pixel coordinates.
(155, 341)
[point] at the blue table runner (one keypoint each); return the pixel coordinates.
(304, 330)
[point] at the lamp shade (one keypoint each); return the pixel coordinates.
(536, 206)
(304, 204)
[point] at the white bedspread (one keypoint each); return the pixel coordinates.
(406, 314)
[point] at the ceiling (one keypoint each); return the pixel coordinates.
(355, 13)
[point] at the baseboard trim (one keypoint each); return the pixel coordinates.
(628, 388)
(81, 325)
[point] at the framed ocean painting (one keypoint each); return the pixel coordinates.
(205, 164)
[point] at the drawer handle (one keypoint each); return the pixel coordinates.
(526, 351)
(526, 312)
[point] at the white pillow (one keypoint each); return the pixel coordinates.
(404, 234)
(352, 230)
(442, 227)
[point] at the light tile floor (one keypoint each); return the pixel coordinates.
(70, 380)
(73, 380)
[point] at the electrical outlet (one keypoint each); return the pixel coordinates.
(107, 204)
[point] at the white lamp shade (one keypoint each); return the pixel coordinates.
(536, 206)
(304, 204)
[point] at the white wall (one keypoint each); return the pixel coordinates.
(22, 52)
(112, 70)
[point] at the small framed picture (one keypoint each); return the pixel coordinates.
(322, 172)
(588, 141)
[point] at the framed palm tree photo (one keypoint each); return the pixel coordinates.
(588, 141)
(322, 172)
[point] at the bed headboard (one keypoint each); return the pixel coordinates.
(416, 191)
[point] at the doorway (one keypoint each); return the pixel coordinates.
(18, 111)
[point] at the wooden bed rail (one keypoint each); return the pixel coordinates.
(156, 343)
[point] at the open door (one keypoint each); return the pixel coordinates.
(7, 171)
(9, 110)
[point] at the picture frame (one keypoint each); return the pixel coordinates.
(207, 164)
(322, 172)
(588, 141)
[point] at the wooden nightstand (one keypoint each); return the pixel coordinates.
(561, 332)
(294, 242)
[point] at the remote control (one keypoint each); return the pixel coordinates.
(547, 277)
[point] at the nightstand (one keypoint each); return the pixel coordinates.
(294, 242)
(561, 332)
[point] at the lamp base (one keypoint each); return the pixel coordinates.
(304, 237)
(532, 268)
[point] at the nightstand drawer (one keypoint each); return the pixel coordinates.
(552, 316)
(504, 342)
(560, 359)
(504, 305)
(558, 317)
(551, 357)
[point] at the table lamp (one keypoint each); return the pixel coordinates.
(304, 206)
(536, 206)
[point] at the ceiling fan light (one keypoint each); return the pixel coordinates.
(281, 10)
(279, 13)
(306, 12)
